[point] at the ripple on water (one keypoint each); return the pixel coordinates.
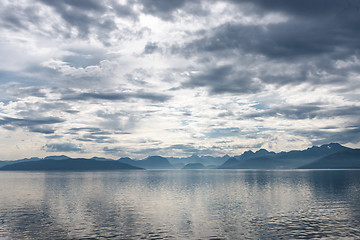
(181, 205)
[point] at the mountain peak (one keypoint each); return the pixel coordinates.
(229, 163)
(59, 157)
(262, 151)
(331, 145)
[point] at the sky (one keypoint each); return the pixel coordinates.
(174, 78)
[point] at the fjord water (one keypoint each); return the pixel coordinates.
(180, 204)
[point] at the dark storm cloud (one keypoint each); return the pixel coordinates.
(150, 48)
(43, 130)
(287, 40)
(314, 26)
(323, 136)
(304, 47)
(79, 5)
(87, 129)
(307, 111)
(224, 79)
(18, 18)
(21, 122)
(114, 96)
(289, 112)
(162, 8)
(85, 16)
(10, 20)
(40, 125)
(94, 131)
(305, 8)
(124, 10)
(27, 91)
(32, 110)
(91, 134)
(62, 147)
(95, 138)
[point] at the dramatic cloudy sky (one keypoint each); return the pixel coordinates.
(177, 77)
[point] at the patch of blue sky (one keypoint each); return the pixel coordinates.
(260, 106)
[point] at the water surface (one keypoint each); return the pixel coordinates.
(179, 204)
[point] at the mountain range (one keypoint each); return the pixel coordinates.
(152, 162)
(328, 156)
(263, 159)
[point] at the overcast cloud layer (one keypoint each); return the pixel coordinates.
(175, 78)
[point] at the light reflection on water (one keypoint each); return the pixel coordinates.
(176, 204)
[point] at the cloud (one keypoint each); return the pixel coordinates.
(195, 76)
(323, 136)
(224, 79)
(32, 124)
(318, 9)
(125, 10)
(114, 150)
(117, 96)
(304, 47)
(95, 138)
(306, 111)
(31, 91)
(223, 132)
(62, 147)
(82, 15)
(93, 134)
(189, 149)
(150, 48)
(162, 8)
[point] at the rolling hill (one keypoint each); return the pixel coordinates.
(73, 164)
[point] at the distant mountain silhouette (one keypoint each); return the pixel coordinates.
(72, 164)
(261, 159)
(61, 157)
(288, 160)
(294, 159)
(102, 159)
(205, 160)
(340, 160)
(152, 162)
(260, 153)
(4, 163)
(252, 163)
(127, 161)
(194, 166)
(230, 163)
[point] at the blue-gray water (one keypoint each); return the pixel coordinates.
(193, 204)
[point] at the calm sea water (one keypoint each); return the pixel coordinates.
(179, 204)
